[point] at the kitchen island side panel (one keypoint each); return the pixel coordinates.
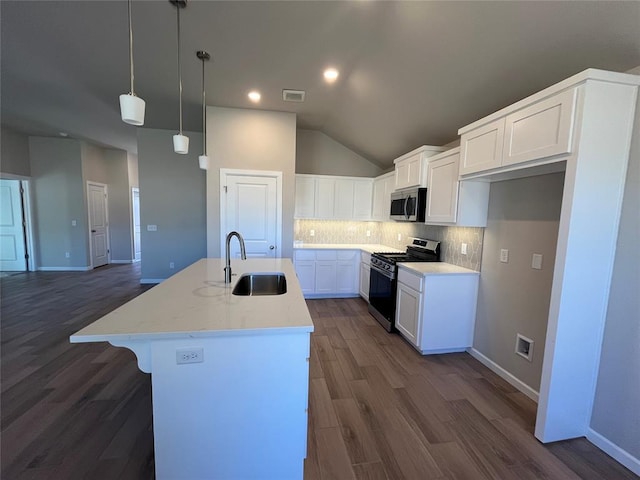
(241, 413)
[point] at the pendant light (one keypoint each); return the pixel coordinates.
(203, 159)
(180, 141)
(131, 106)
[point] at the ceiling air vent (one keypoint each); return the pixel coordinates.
(293, 95)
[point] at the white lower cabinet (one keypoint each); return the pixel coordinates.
(365, 274)
(328, 273)
(436, 312)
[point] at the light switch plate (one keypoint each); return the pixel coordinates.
(312, 233)
(536, 261)
(504, 255)
(152, 228)
(463, 249)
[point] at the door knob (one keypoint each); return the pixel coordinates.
(271, 247)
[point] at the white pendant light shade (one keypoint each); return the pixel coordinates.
(132, 109)
(131, 106)
(203, 160)
(181, 144)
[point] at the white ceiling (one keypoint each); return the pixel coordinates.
(411, 73)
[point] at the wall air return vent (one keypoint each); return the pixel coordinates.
(293, 95)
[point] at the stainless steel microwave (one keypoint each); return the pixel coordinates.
(409, 205)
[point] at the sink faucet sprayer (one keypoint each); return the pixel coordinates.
(227, 268)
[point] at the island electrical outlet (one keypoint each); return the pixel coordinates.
(190, 355)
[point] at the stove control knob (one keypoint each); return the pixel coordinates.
(388, 267)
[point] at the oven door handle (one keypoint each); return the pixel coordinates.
(386, 273)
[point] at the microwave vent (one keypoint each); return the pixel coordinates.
(293, 95)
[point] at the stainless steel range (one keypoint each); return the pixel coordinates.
(384, 270)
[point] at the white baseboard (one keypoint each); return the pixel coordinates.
(145, 281)
(121, 261)
(64, 269)
(613, 450)
(493, 366)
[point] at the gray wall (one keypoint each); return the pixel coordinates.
(59, 198)
(524, 216)
(172, 196)
(120, 215)
(14, 156)
(250, 140)
(616, 405)
(316, 153)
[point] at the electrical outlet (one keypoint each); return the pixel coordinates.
(399, 236)
(190, 355)
(463, 249)
(74, 223)
(67, 255)
(171, 265)
(368, 233)
(536, 261)
(312, 233)
(152, 228)
(504, 255)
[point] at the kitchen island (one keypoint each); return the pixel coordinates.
(229, 373)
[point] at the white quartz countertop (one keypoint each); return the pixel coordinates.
(436, 268)
(366, 247)
(196, 302)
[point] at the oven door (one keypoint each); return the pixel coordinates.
(382, 297)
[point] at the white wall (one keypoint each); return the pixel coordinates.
(250, 140)
(317, 153)
(524, 216)
(172, 197)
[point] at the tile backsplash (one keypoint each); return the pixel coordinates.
(386, 233)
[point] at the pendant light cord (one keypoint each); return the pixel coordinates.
(131, 49)
(204, 114)
(179, 69)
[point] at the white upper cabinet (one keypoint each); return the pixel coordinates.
(382, 188)
(411, 168)
(305, 197)
(450, 202)
(332, 197)
(541, 130)
(532, 134)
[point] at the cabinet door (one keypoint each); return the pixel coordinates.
(540, 130)
(481, 149)
(325, 196)
(346, 277)
(362, 199)
(365, 273)
(325, 276)
(306, 273)
(343, 199)
(409, 171)
(442, 190)
(408, 311)
(382, 188)
(305, 197)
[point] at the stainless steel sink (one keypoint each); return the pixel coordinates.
(261, 284)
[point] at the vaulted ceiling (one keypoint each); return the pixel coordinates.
(411, 73)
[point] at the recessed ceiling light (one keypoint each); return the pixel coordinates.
(331, 74)
(254, 96)
(63, 134)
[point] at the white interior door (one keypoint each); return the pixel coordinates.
(98, 224)
(135, 205)
(12, 246)
(251, 204)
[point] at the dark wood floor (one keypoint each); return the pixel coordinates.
(377, 409)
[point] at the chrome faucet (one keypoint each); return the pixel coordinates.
(243, 253)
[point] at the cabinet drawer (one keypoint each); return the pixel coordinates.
(410, 279)
(305, 255)
(481, 149)
(347, 254)
(326, 255)
(540, 130)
